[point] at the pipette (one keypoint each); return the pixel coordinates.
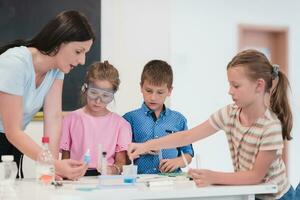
(184, 159)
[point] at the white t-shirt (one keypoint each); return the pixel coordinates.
(18, 78)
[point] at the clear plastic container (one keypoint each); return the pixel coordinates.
(45, 170)
(129, 173)
(8, 169)
(8, 173)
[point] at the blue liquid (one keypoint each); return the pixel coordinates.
(129, 180)
(86, 159)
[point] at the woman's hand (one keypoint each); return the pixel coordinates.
(58, 178)
(201, 177)
(136, 149)
(70, 169)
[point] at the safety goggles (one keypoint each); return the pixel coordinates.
(105, 96)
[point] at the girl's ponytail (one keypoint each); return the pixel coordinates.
(279, 103)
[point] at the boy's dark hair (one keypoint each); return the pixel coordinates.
(157, 72)
(67, 26)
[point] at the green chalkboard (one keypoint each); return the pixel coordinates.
(22, 19)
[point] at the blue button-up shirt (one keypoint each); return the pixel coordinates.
(145, 127)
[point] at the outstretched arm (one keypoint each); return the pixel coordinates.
(53, 116)
(11, 112)
(254, 176)
(11, 108)
(178, 139)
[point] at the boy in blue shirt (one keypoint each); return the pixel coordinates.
(154, 120)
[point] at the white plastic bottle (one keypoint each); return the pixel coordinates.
(102, 164)
(10, 168)
(45, 170)
(8, 173)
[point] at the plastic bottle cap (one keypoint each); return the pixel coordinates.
(104, 153)
(45, 139)
(7, 158)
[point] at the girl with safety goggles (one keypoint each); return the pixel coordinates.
(94, 128)
(103, 95)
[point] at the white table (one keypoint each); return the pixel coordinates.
(28, 189)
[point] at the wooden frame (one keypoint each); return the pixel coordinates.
(38, 116)
(276, 38)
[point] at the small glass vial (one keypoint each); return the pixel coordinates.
(103, 163)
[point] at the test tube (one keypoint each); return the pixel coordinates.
(184, 160)
(87, 157)
(104, 164)
(198, 161)
(99, 157)
(160, 156)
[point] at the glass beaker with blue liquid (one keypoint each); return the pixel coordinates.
(129, 173)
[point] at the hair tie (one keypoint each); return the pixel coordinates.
(84, 87)
(275, 71)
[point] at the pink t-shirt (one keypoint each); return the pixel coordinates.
(81, 131)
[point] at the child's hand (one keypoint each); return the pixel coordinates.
(112, 170)
(169, 165)
(152, 152)
(201, 177)
(136, 149)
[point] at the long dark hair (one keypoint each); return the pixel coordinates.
(258, 66)
(66, 27)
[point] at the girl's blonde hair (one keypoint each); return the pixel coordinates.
(99, 71)
(257, 66)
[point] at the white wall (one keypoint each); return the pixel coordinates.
(204, 39)
(198, 37)
(35, 130)
(133, 33)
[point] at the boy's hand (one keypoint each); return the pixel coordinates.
(170, 165)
